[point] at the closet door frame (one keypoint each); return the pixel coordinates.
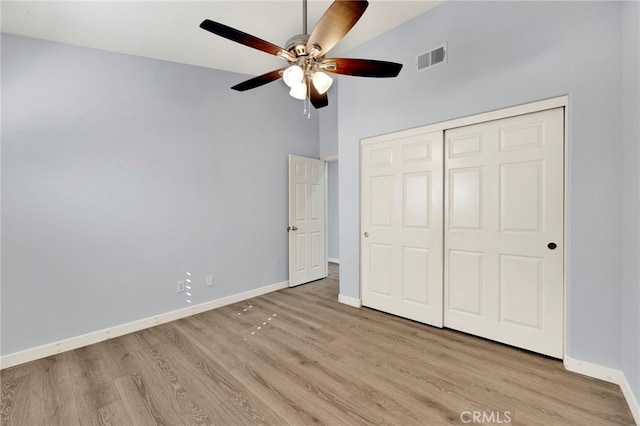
(552, 103)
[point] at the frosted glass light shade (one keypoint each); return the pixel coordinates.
(293, 75)
(321, 82)
(299, 91)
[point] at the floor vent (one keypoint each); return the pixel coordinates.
(432, 58)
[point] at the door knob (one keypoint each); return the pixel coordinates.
(552, 246)
(292, 228)
(366, 234)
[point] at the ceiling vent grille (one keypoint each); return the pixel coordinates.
(432, 58)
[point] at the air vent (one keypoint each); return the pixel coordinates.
(432, 58)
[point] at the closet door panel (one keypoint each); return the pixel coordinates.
(401, 220)
(503, 243)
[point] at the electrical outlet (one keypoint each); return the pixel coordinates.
(210, 281)
(180, 286)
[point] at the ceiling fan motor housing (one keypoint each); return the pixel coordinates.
(298, 44)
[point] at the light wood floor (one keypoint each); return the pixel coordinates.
(298, 357)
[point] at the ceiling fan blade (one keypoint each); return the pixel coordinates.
(258, 81)
(240, 37)
(361, 67)
(336, 22)
(317, 100)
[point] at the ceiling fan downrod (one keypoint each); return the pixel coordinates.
(304, 16)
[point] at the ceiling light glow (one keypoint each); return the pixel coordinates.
(321, 82)
(293, 75)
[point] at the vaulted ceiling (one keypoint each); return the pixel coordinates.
(169, 30)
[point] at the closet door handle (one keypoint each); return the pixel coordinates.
(366, 235)
(552, 246)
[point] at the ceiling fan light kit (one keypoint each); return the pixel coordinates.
(292, 75)
(306, 73)
(321, 81)
(299, 91)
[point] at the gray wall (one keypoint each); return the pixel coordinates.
(333, 208)
(504, 54)
(329, 150)
(329, 123)
(631, 192)
(120, 174)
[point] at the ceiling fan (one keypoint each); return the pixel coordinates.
(306, 73)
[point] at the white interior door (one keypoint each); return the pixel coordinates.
(401, 220)
(504, 209)
(307, 220)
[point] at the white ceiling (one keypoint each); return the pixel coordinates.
(170, 30)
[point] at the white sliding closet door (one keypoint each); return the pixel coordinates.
(503, 243)
(401, 235)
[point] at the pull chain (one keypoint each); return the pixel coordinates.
(308, 99)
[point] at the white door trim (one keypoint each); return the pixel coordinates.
(542, 105)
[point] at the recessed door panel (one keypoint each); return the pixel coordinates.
(521, 290)
(522, 137)
(380, 200)
(380, 157)
(416, 200)
(301, 202)
(465, 282)
(317, 202)
(465, 204)
(380, 267)
(415, 273)
(416, 152)
(301, 251)
(465, 145)
(521, 197)
(317, 248)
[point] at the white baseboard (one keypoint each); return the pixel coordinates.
(610, 375)
(632, 400)
(49, 349)
(596, 371)
(351, 301)
(332, 260)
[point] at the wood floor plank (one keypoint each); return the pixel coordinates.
(15, 404)
(180, 398)
(299, 357)
(51, 392)
(288, 407)
(92, 385)
(305, 395)
(155, 396)
(211, 381)
(139, 404)
(113, 414)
